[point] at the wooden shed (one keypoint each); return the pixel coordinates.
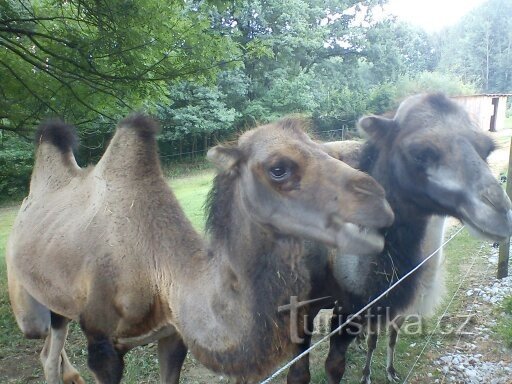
(487, 109)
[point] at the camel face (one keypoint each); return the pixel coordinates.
(289, 182)
(438, 159)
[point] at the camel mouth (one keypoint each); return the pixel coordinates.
(483, 233)
(359, 239)
(499, 228)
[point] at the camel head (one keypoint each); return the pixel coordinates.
(437, 156)
(289, 183)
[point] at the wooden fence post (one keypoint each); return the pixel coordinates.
(505, 246)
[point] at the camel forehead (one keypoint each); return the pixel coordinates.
(275, 138)
(434, 115)
(440, 122)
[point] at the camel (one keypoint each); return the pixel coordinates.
(431, 160)
(109, 246)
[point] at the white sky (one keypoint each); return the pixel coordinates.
(432, 15)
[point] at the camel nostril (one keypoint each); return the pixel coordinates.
(363, 191)
(369, 187)
(496, 198)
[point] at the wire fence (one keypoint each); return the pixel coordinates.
(326, 135)
(366, 307)
(440, 319)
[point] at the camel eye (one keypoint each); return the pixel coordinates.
(279, 173)
(425, 157)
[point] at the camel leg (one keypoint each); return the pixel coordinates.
(32, 317)
(43, 356)
(69, 373)
(104, 360)
(171, 355)
(299, 372)
(360, 341)
(54, 345)
(393, 336)
(34, 320)
(371, 344)
(336, 359)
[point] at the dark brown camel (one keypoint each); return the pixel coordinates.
(431, 160)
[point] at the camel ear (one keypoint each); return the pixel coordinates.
(376, 126)
(224, 158)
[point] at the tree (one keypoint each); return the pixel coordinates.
(293, 38)
(396, 48)
(192, 117)
(479, 47)
(85, 59)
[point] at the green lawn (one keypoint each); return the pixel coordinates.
(191, 191)
(508, 122)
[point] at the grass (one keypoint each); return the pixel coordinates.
(504, 326)
(508, 122)
(191, 191)
(19, 356)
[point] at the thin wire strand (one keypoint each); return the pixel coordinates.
(349, 319)
(439, 321)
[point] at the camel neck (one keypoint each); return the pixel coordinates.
(247, 271)
(402, 249)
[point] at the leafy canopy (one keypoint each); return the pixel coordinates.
(84, 59)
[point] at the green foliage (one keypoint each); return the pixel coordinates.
(298, 37)
(507, 305)
(395, 49)
(16, 159)
(83, 60)
(288, 96)
(504, 326)
(479, 47)
(211, 69)
(433, 82)
(382, 98)
(386, 96)
(194, 112)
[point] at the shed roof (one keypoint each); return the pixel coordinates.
(485, 94)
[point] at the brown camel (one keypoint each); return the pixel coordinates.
(431, 160)
(109, 247)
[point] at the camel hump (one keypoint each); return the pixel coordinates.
(141, 123)
(59, 134)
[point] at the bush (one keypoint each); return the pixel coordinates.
(16, 161)
(433, 82)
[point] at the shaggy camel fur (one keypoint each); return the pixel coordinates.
(109, 247)
(431, 160)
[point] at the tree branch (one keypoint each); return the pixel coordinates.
(26, 32)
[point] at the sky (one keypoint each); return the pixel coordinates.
(432, 15)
